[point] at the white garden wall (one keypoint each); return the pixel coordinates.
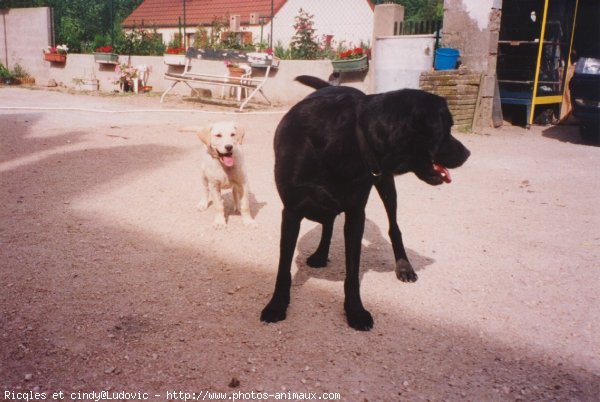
(399, 61)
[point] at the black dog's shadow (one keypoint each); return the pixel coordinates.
(376, 254)
(255, 206)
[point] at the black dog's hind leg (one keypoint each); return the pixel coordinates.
(319, 258)
(356, 315)
(290, 228)
(387, 191)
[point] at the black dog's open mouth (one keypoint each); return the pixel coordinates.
(226, 159)
(443, 172)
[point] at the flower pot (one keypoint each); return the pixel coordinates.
(55, 57)
(174, 59)
(236, 71)
(106, 58)
(347, 65)
(28, 80)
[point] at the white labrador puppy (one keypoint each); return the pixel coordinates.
(222, 167)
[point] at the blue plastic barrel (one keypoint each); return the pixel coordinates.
(445, 58)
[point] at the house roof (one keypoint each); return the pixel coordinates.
(166, 13)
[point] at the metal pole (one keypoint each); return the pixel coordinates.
(184, 39)
(112, 23)
(271, 37)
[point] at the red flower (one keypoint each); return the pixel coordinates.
(355, 53)
(175, 50)
(104, 49)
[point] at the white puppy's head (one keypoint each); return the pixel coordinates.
(221, 139)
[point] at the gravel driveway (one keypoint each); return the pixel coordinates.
(112, 280)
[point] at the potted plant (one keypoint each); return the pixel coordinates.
(174, 56)
(127, 77)
(236, 69)
(351, 60)
(105, 55)
(5, 75)
(21, 76)
(56, 54)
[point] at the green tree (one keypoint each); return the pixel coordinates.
(81, 24)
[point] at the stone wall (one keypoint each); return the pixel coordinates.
(472, 27)
(460, 88)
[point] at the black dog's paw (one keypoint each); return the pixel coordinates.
(359, 319)
(317, 261)
(405, 271)
(273, 312)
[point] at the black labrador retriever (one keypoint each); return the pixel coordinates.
(330, 150)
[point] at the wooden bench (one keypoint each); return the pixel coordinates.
(251, 86)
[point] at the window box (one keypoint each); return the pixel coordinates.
(55, 57)
(106, 58)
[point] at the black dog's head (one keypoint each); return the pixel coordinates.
(410, 131)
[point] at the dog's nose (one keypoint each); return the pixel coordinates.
(228, 148)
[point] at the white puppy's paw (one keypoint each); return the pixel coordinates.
(249, 222)
(219, 222)
(202, 205)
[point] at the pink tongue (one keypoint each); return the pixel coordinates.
(228, 161)
(443, 171)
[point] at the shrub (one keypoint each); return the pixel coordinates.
(304, 45)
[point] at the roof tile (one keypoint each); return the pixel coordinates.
(166, 13)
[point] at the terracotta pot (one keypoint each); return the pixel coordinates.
(236, 71)
(55, 57)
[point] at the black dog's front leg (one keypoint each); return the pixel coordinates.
(387, 192)
(290, 228)
(358, 318)
(320, 257)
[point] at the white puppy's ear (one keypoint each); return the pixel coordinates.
(204, 135)
(239, 133)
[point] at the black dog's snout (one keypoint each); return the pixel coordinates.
(228, 148)
(467, 154)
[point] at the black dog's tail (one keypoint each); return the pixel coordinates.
(312, 82)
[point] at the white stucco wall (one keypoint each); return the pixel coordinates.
(399, 61)
(348, 20)
(24, 33)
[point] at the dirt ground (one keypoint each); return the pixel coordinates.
(112, 280)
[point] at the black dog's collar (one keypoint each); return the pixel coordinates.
(367, 151)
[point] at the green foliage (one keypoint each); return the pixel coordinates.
(5, 72)
(141, 42)
(79, 23)
(282, 52)
(420, 10)
(19, 71)
(304, 44)
(217, 27)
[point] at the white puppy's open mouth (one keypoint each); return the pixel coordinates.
(226, 159)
